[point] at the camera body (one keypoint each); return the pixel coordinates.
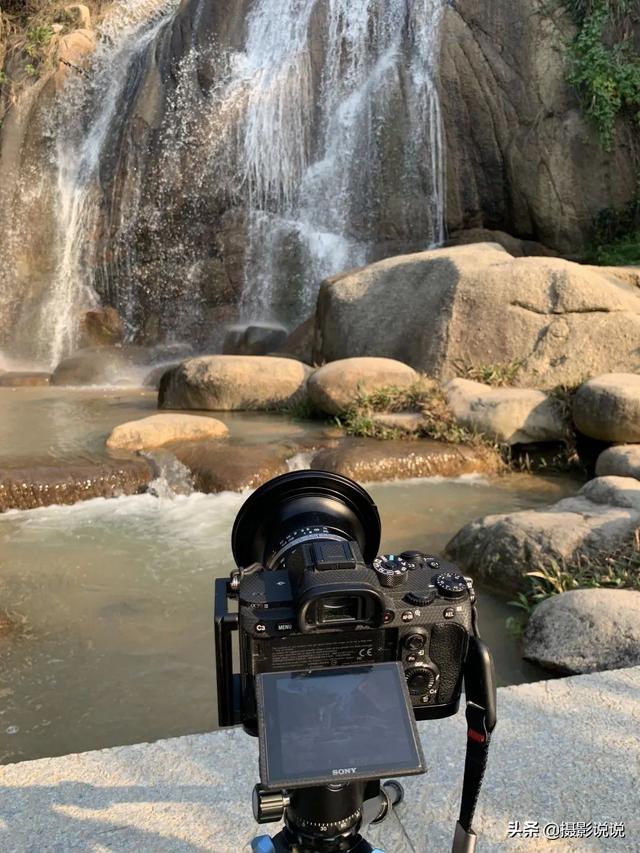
(320, 605)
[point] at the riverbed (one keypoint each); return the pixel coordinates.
(112, 600)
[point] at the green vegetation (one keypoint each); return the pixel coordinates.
(616, 240)
(423, 398)
(620, 570)
(498, 375)
(605, 62)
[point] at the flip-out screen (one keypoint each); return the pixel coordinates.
(336, 725)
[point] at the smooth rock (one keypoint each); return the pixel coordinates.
(116, 365)
(28, 487)
(476, 305)
(514, 245)
(585, 630)
(622, 460)
(217, 468)
(254, 339)
(234, 382)
(501, 549)
(335, 387)
(608, 407)
(406, 422)
(23, 379)
(79, 14)
(509, 415)
(369, 460)
(101, 327)
(74, 51)
(165, 428)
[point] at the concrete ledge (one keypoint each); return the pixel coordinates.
(564, 750)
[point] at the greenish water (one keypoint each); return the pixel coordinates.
(114, 598)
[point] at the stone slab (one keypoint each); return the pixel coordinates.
(564, 750)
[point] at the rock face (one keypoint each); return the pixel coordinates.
(509, 415)
(44, 485)
(369, 460)
(233, 382)
(158, 430)
(299, 344)
(620, 461)
(608, 407)
(101, 327)
(255, 339)
(474, 305)
(521, 154)
(515, 246)
(334, 387)
(585, 630)
(501, 549)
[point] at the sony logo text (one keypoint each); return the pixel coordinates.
(344, 771)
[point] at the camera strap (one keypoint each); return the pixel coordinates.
(480, 690)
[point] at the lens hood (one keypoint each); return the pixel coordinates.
(304, 499)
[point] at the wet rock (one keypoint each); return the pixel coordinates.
(158, 430)
(43, 485)
(334, 387)
(116, 365)
(217, 468)
(509, 415)
(620, 461)
(79, 14)
(101, 327)
(607, 407)
(299, 344)
(23, 379)
(476, 305)
(255, 339)
(501, 549)
(369, 460)
(234, 382)
(585, 630)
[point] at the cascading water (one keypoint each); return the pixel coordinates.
(340, 151)
(218, 161)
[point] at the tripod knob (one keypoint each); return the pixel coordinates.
(268, 806)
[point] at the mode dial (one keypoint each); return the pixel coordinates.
(390, 569)
(418, 560)
(451, 585)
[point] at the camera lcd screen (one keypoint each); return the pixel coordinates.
(336, 725)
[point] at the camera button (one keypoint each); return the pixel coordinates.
(449, 613)
(407, 616)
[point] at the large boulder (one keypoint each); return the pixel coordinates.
(165, 428)
(514, 245)
(509, 415)
(254, 339)
(476, 305)
(234, 382)
(113, 365)
(585, 630)
(370, 460)
(334, 387)
(623, 460)
(217, 468)
(607, 407)
(101, 327)
(299, 344)
(501, 549)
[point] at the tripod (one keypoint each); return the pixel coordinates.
(324, 819)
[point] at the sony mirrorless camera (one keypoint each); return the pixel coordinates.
(313, 593)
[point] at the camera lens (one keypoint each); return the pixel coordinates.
(300, 507)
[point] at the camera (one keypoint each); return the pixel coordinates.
(314, 594)
(341, 650)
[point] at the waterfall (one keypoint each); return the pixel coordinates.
(333, 149)
(217, 162)
(79, 152)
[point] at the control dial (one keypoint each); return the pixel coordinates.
(418, 560)
(421, 680)
(391, 570)
(451, 585)
(421, 599)
(268, 806)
